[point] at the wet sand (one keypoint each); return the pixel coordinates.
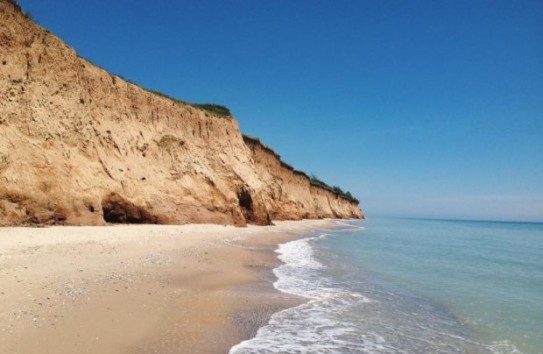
(139, 288)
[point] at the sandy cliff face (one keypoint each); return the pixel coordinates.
(290, 193)
(81, 146)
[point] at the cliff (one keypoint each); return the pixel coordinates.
(290, 194)
(79, 145)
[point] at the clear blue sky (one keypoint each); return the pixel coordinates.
(420, 108)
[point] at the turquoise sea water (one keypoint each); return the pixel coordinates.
(410, 286)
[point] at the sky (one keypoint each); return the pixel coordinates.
(419, 108)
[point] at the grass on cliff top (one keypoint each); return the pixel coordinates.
(214, 109)
(335, 189)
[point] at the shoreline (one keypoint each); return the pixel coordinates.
(140, 288)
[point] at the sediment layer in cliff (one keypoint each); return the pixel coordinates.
(81, 146)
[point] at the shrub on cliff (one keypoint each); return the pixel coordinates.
(335, 189)
(216, 109)
(346, 195)
(315, 180)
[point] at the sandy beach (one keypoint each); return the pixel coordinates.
(139, 288)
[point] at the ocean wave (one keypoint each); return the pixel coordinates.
(346, 226)
(347, 312)
(313, 327)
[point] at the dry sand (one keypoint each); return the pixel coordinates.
(138, 288)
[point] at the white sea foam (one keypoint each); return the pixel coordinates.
(312, 327)
(349, 227)
(504, 347)
(338, 319)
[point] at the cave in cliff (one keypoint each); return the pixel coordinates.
(246, 204)
(117, 210)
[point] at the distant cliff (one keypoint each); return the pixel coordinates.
(290, 194)
(79, 145)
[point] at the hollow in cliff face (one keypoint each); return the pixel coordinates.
(118, 210)
(246, 204)
(252, 208)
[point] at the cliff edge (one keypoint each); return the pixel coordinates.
(81, 146)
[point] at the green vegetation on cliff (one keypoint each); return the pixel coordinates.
(337, 190)
(214, 109)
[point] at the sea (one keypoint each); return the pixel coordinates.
(392, 285)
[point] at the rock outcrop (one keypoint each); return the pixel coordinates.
(81, 146)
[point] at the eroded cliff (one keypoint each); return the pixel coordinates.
(290, 194)
(81, 146)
